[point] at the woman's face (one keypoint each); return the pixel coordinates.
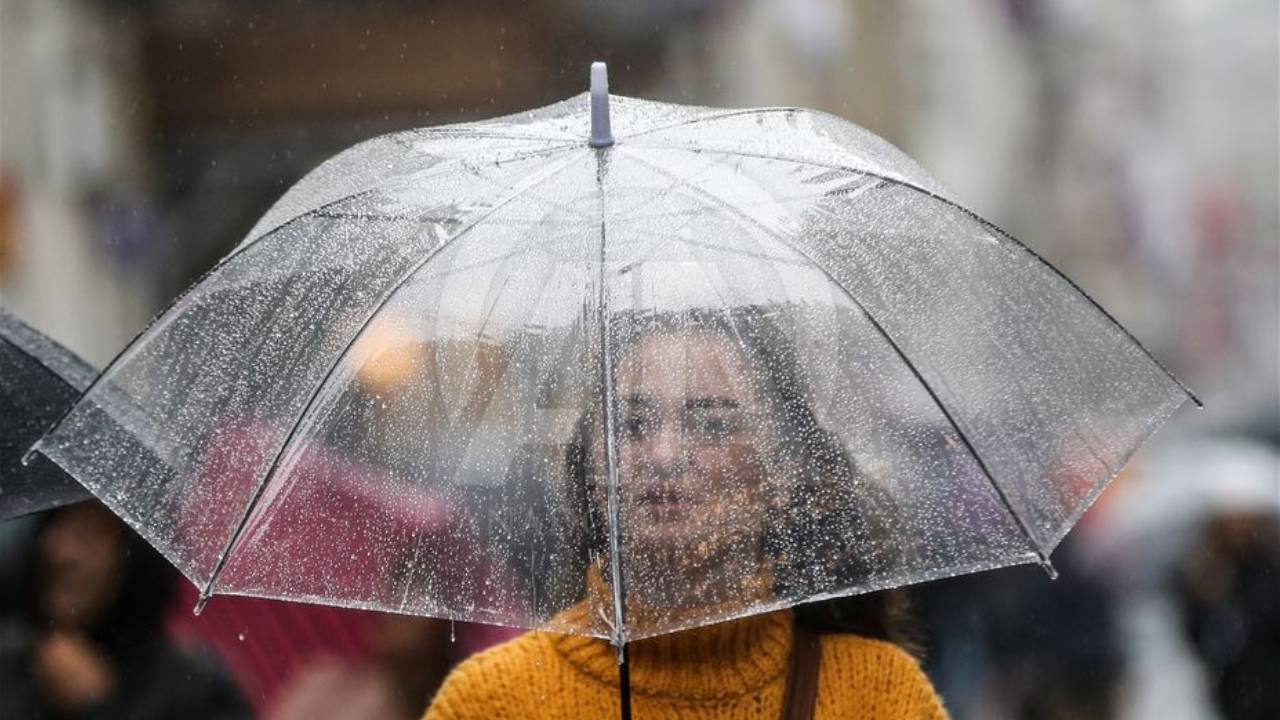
(690, 433)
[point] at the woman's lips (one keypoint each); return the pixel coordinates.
(661, 505)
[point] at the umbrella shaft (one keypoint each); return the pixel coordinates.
(624, 683)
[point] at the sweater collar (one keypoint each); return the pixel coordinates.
(713, 662)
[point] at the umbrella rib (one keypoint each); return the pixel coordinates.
(238, 250)
(710, 197)
(443, 167)
(717, 248)
(657, 197)
(610, 451)
(472, 133)
(747, 111)
(317, 391)
(712, 117)
(981, 221)
(483, 409)
(235, 253)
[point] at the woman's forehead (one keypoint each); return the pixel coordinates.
(692, 362)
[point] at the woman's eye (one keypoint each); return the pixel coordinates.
(712, 427)
(635, 426)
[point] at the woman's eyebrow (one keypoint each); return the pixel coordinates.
(707, 402)
(642, 400)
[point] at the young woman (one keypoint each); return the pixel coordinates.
(732, 503)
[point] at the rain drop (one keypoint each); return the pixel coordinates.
(453, 635)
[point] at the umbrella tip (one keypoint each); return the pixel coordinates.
(601, 135)
(1047, 565)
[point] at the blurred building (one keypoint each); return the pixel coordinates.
(75, 158)
(1134, 145)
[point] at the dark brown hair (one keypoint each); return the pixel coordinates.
(818, 538)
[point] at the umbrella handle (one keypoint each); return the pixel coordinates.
(624, 682)
(601, 135)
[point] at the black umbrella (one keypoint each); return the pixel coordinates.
(39, 380)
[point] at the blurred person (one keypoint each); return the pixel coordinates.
(723, 464)
(1015, 644)
(410, 659)
(1229, 591)
(15, 536)
(89, 638)
(297, 659)
(264, 645)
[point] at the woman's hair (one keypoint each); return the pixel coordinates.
(819, 540)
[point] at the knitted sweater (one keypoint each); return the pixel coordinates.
(735, 670)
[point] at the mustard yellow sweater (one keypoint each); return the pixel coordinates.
(734, 670)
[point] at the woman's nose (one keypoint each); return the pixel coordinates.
(665, 451)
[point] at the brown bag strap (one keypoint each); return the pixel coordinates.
(801, 694)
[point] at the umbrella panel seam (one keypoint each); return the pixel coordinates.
(129, 349)
(208, 587)
(608, 411)
(709, 196)
(429, 172)
(973, 215)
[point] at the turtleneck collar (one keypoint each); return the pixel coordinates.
(713, 662)
(703, 663)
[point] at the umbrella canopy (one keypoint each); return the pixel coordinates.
(616, 383)
(39, 382)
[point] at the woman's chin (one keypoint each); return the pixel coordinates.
(672, 549)
(674, 515)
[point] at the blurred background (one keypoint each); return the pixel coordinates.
(1134, 145)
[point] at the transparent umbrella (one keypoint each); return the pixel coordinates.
(39, 382)
(614, 382)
